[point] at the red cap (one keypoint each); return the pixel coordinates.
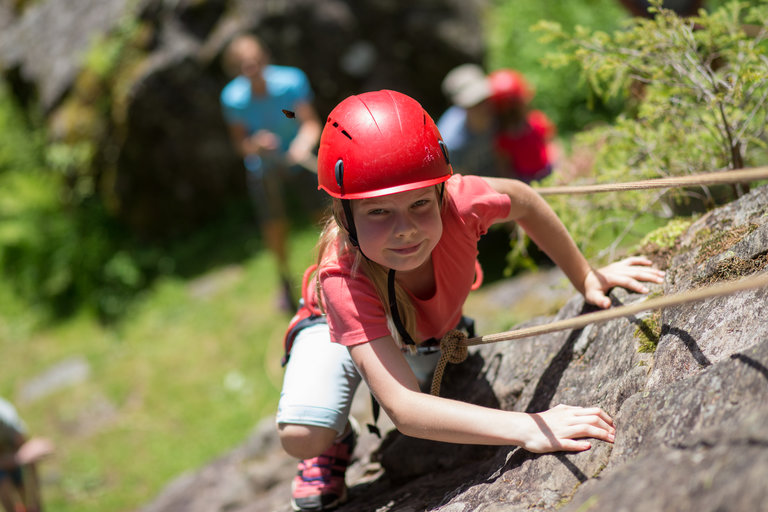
(509, 87)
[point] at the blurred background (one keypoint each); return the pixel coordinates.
(137, 322)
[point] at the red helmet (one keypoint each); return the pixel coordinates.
(380, 143)
(509, 87)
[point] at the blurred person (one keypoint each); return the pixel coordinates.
(524, 137)
(274, 127)
(19, 485)
(467, 125)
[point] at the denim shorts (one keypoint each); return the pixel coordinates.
(321, 379)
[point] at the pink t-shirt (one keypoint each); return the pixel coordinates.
(353, 308)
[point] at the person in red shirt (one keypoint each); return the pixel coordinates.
(523, 141)
(396, 261)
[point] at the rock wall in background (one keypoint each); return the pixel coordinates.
(139, 80)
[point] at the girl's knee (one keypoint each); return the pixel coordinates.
(305, 441)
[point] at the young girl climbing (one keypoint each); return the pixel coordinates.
(396, 261)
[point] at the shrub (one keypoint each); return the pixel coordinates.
(700, 102)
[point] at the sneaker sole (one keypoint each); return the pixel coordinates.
(319, 508)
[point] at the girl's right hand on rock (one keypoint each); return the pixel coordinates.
(564, 428)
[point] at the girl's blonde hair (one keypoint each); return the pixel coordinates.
(335, 229)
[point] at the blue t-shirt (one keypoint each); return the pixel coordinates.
(470, 153)
(286, 88)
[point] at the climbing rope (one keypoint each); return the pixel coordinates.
(454, 344)
(714, 178)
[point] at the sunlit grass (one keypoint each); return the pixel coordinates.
(179, 381)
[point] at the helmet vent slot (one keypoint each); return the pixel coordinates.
(344, 132)
(444, 148)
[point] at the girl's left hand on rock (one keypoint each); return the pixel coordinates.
(628, 273)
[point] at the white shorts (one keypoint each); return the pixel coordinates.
(321, 379)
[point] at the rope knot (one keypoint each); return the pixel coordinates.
(451, 350)
(451, 346)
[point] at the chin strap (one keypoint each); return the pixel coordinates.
(394, 311)
(372, 428)
(351, 229)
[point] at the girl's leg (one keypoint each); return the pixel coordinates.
(319, 384)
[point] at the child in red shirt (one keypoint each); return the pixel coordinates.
(523, 142)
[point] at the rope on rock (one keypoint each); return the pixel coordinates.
(714, 178)
(454, 344)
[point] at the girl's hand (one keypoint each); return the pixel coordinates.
(565, 427)
(627, 273)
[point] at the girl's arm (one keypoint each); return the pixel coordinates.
(417, 414)
(541, 223)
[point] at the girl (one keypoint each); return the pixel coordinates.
(396, 262)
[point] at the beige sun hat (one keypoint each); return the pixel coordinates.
(466, 85)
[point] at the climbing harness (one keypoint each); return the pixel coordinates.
(306, 316)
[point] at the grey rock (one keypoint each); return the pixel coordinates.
(67, 372)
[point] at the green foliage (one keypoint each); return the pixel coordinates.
(604, 226)
(699, 100)
(512, 43)
(648, 333)
(106, 53)
(180, 381)
(666, 236)
(55, 252)
(700, 90)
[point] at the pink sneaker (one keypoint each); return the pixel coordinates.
(319, 483)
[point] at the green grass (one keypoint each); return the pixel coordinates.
(179, 381)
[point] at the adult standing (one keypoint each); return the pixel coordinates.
(274, 127)
(18, 458)
(467, 126)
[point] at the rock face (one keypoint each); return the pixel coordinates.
(691, 417)
(140, 80)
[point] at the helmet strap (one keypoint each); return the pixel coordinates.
(394, 311)
(351, 230)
